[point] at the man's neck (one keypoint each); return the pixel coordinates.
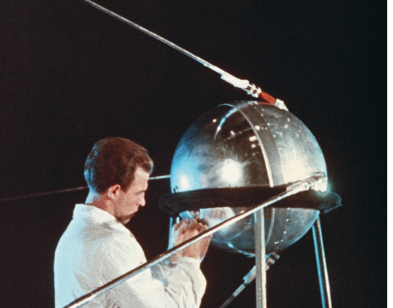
(99, 201)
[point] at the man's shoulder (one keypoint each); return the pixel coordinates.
(107, 238)
(95, 243)
(113, 237)
(91, 234)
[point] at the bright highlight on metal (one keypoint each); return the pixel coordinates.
(231, 172)
(184, 183)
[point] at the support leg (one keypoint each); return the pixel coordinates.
(321, 265)
(260, 258)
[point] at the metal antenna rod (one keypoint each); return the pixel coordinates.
(245, 85)
(47, 193)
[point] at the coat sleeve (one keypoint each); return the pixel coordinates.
(181, 286)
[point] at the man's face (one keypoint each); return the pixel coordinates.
(129, 201)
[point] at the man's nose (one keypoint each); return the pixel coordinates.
(142, 202)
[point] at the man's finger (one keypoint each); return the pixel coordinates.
(201, 227)
(181, 223)
(191, 224)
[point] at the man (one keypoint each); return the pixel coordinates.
(97, 247)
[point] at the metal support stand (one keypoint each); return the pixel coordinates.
(321, 265)
(260, 258)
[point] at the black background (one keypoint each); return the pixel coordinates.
(71, 75)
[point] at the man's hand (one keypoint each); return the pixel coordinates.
(185, 230)
(199, 249)
(177, 237)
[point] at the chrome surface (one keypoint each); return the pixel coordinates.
(243, 144)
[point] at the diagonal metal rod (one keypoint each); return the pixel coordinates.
(245, 85)
(247, 280)
(48, 193)
(156, 36)
(293, 189)
(250, 277)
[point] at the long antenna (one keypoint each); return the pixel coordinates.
(245, 85)
(47, 193)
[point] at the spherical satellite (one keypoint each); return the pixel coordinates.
(247, 146)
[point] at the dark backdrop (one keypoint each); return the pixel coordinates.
(70, 75)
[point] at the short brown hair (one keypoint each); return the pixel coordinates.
(113, 160)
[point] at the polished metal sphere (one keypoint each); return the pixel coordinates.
(246, 144)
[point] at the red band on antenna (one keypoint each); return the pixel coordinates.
(268, 98)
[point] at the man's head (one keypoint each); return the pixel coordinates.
(117, 171)
(113, 160)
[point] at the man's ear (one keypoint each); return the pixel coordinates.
(113, 191)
